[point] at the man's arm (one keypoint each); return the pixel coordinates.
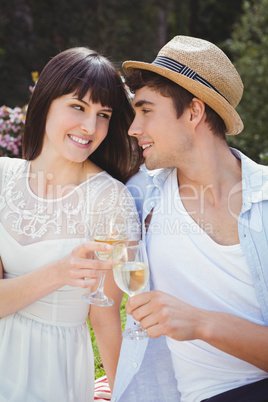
(162, 314)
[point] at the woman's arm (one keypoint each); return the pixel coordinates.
(17, 293)
(106, 324)
(1, 269)
(106, 321)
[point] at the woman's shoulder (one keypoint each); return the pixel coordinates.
(14, 164)
(105, 179)
(10, 166)
(95, 176)
(104, 188)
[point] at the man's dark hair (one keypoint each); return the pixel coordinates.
(181, 97)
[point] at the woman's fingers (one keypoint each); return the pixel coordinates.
(87, 265)
(86, 250)
(83, 263)
(82, 268)
(85, 283)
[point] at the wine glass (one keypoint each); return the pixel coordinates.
(110, 229)
(131, 274)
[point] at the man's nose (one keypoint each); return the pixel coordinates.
(135, 128)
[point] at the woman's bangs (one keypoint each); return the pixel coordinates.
(104, 87)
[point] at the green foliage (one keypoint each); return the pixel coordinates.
(33, 31)
(99, 370)
(249, 45)
(214, 19)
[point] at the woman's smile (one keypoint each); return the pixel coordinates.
(78, 140)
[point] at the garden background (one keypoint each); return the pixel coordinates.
(33, 31)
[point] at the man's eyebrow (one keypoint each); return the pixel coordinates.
(142, 102)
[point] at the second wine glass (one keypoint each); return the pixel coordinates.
(131, 274)
(108, 230)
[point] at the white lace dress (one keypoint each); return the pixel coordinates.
(45, 349)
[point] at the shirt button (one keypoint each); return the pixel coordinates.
(152, 204)
(135, 365)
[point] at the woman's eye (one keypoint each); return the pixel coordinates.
(105, 115)
(78, 107)
(145, 111)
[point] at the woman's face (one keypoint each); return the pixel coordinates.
(75, 128)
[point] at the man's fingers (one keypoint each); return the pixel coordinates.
(137, 301)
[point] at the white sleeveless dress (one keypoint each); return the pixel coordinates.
(45, 349)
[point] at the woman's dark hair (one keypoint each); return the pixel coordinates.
(77, 70)
(181, 97)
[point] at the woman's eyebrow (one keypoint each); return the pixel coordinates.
(106, 109)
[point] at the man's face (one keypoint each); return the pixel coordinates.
(165, 139)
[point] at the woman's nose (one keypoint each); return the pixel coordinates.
(88, 124)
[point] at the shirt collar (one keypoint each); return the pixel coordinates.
(254, 180)
(157, 176)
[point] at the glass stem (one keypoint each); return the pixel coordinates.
(101, 284)
(135, 322)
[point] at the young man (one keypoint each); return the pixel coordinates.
(204, 209)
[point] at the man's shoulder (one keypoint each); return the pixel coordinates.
(254, 178)
(253, 171)
(140, 177)
(138, 183)
(248, 164)
(146, 177)
(142, 185)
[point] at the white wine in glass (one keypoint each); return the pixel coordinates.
(108, 255)
(131, 277)
(112, 233)
(131, 274)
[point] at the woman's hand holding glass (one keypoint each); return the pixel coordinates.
(79, 269)
(110, 230)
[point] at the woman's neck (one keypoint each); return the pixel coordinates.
(56, 179)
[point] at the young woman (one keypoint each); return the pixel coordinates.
(76, 156)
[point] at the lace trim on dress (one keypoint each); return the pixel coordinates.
(29, 218)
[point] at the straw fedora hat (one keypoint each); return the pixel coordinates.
(204, 70)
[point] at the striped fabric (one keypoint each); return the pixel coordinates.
(102, 390)
(173, 65)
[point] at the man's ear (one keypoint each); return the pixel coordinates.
(197, 110)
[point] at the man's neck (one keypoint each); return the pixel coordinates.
(211, 191)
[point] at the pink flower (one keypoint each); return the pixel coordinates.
(11, 129)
